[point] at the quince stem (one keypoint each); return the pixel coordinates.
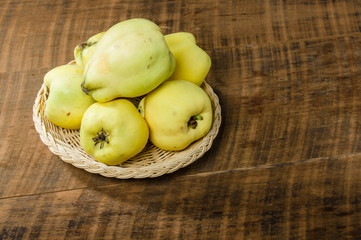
(84, 45)
(47, 92)
(86, 91)
(101, 137)
(192, 123)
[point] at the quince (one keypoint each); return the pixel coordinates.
(113, 132)
(178, 113)
(130, 59)
(65, 100)
(192, 63)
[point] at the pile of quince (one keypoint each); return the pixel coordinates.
(132, 59)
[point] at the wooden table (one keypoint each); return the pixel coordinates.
(286, 163)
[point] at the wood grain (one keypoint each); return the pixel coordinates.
(303, 201)
(286, 162)
(47, 32)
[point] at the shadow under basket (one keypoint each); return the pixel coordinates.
(151, 162)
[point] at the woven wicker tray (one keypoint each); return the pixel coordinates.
(151, 162)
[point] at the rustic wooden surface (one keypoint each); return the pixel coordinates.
(285, 165)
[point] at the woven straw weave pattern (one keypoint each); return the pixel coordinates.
(151, 162)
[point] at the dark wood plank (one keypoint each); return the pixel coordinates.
(44, 33)
(286, 102)
(315, 199)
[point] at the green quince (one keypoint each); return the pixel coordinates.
(178, 113)
(114, 131)
(84, 51)
(192, 62)
(131, 59)
(65, 100)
